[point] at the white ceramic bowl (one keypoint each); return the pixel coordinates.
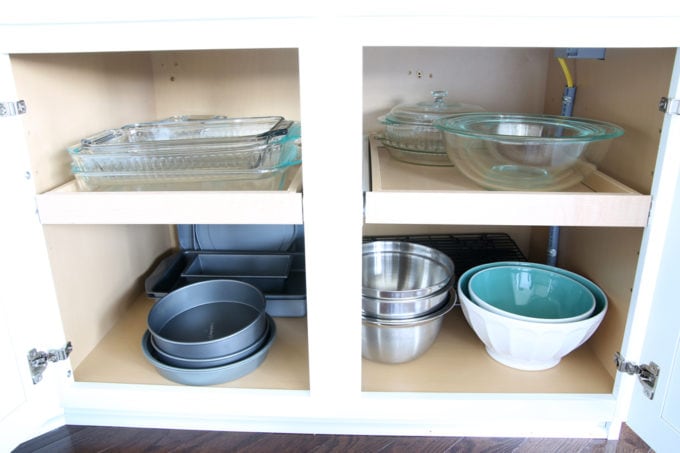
(531, 294)
(528, 345)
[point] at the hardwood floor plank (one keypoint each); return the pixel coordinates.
(487, 444)
(559, 445)
(97, 439)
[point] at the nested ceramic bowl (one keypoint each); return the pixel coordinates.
(411, 137)
(531, 294)
(529, 345)
(402, 340)
(399, 270)
(512, 151)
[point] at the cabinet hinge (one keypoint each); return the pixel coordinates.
(669, 106)
(647, 374)
(11, 108)
(38, 361)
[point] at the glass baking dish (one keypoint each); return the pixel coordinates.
(184, 136)
(200, 155)
(187, 179)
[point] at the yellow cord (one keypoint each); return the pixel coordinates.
(567, 74)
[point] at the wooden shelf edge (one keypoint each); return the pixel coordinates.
(475, 208)
(66, 205)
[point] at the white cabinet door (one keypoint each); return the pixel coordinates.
(657, 420)
(28, 304)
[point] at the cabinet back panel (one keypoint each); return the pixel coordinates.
(496, 79)
(70, 96)
(258, 82)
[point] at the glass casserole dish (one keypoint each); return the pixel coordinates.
(409, 134)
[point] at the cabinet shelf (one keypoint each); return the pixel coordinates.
(67, 205)
(458, 363)
(407, 193)
(118, 357)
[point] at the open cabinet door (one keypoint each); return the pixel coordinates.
(657, 420)
(28, 306)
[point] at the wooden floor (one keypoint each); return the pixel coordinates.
(105, 439)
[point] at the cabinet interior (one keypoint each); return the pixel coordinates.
(99, 270)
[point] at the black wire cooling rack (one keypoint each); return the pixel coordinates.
(466, 250)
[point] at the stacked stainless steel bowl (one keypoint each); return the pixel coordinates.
(406, 291)
(208, 332)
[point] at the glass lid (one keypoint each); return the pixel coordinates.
(424, 113)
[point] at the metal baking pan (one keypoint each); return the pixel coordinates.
(289, 301)
(267, 272)
(208, 319)
(228, 242)
(210, 376)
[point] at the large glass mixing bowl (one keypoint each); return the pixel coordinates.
(508, 151)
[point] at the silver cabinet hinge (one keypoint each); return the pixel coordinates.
(670, 106)
(647, 374)
(38, 361)
(10, 108)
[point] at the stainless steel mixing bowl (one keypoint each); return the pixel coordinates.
(402, 340)
(404, 308)
(403, 270)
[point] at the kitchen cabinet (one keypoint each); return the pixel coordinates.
(90, 251)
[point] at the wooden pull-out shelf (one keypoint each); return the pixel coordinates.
(417, 194)
(67, 205)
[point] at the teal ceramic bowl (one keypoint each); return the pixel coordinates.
(526, 345)
(531, 294)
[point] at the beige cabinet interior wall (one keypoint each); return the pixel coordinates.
(98, 269)
(260, 82)
(624, 89)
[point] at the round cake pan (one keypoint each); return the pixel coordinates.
(210, 376)
(403, 270)
(182, 362)
(208, 319)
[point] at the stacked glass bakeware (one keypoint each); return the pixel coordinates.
(189, 153)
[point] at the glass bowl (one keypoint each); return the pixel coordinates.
(509, 151)
(410, 135)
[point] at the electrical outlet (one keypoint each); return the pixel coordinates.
(580, 52)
